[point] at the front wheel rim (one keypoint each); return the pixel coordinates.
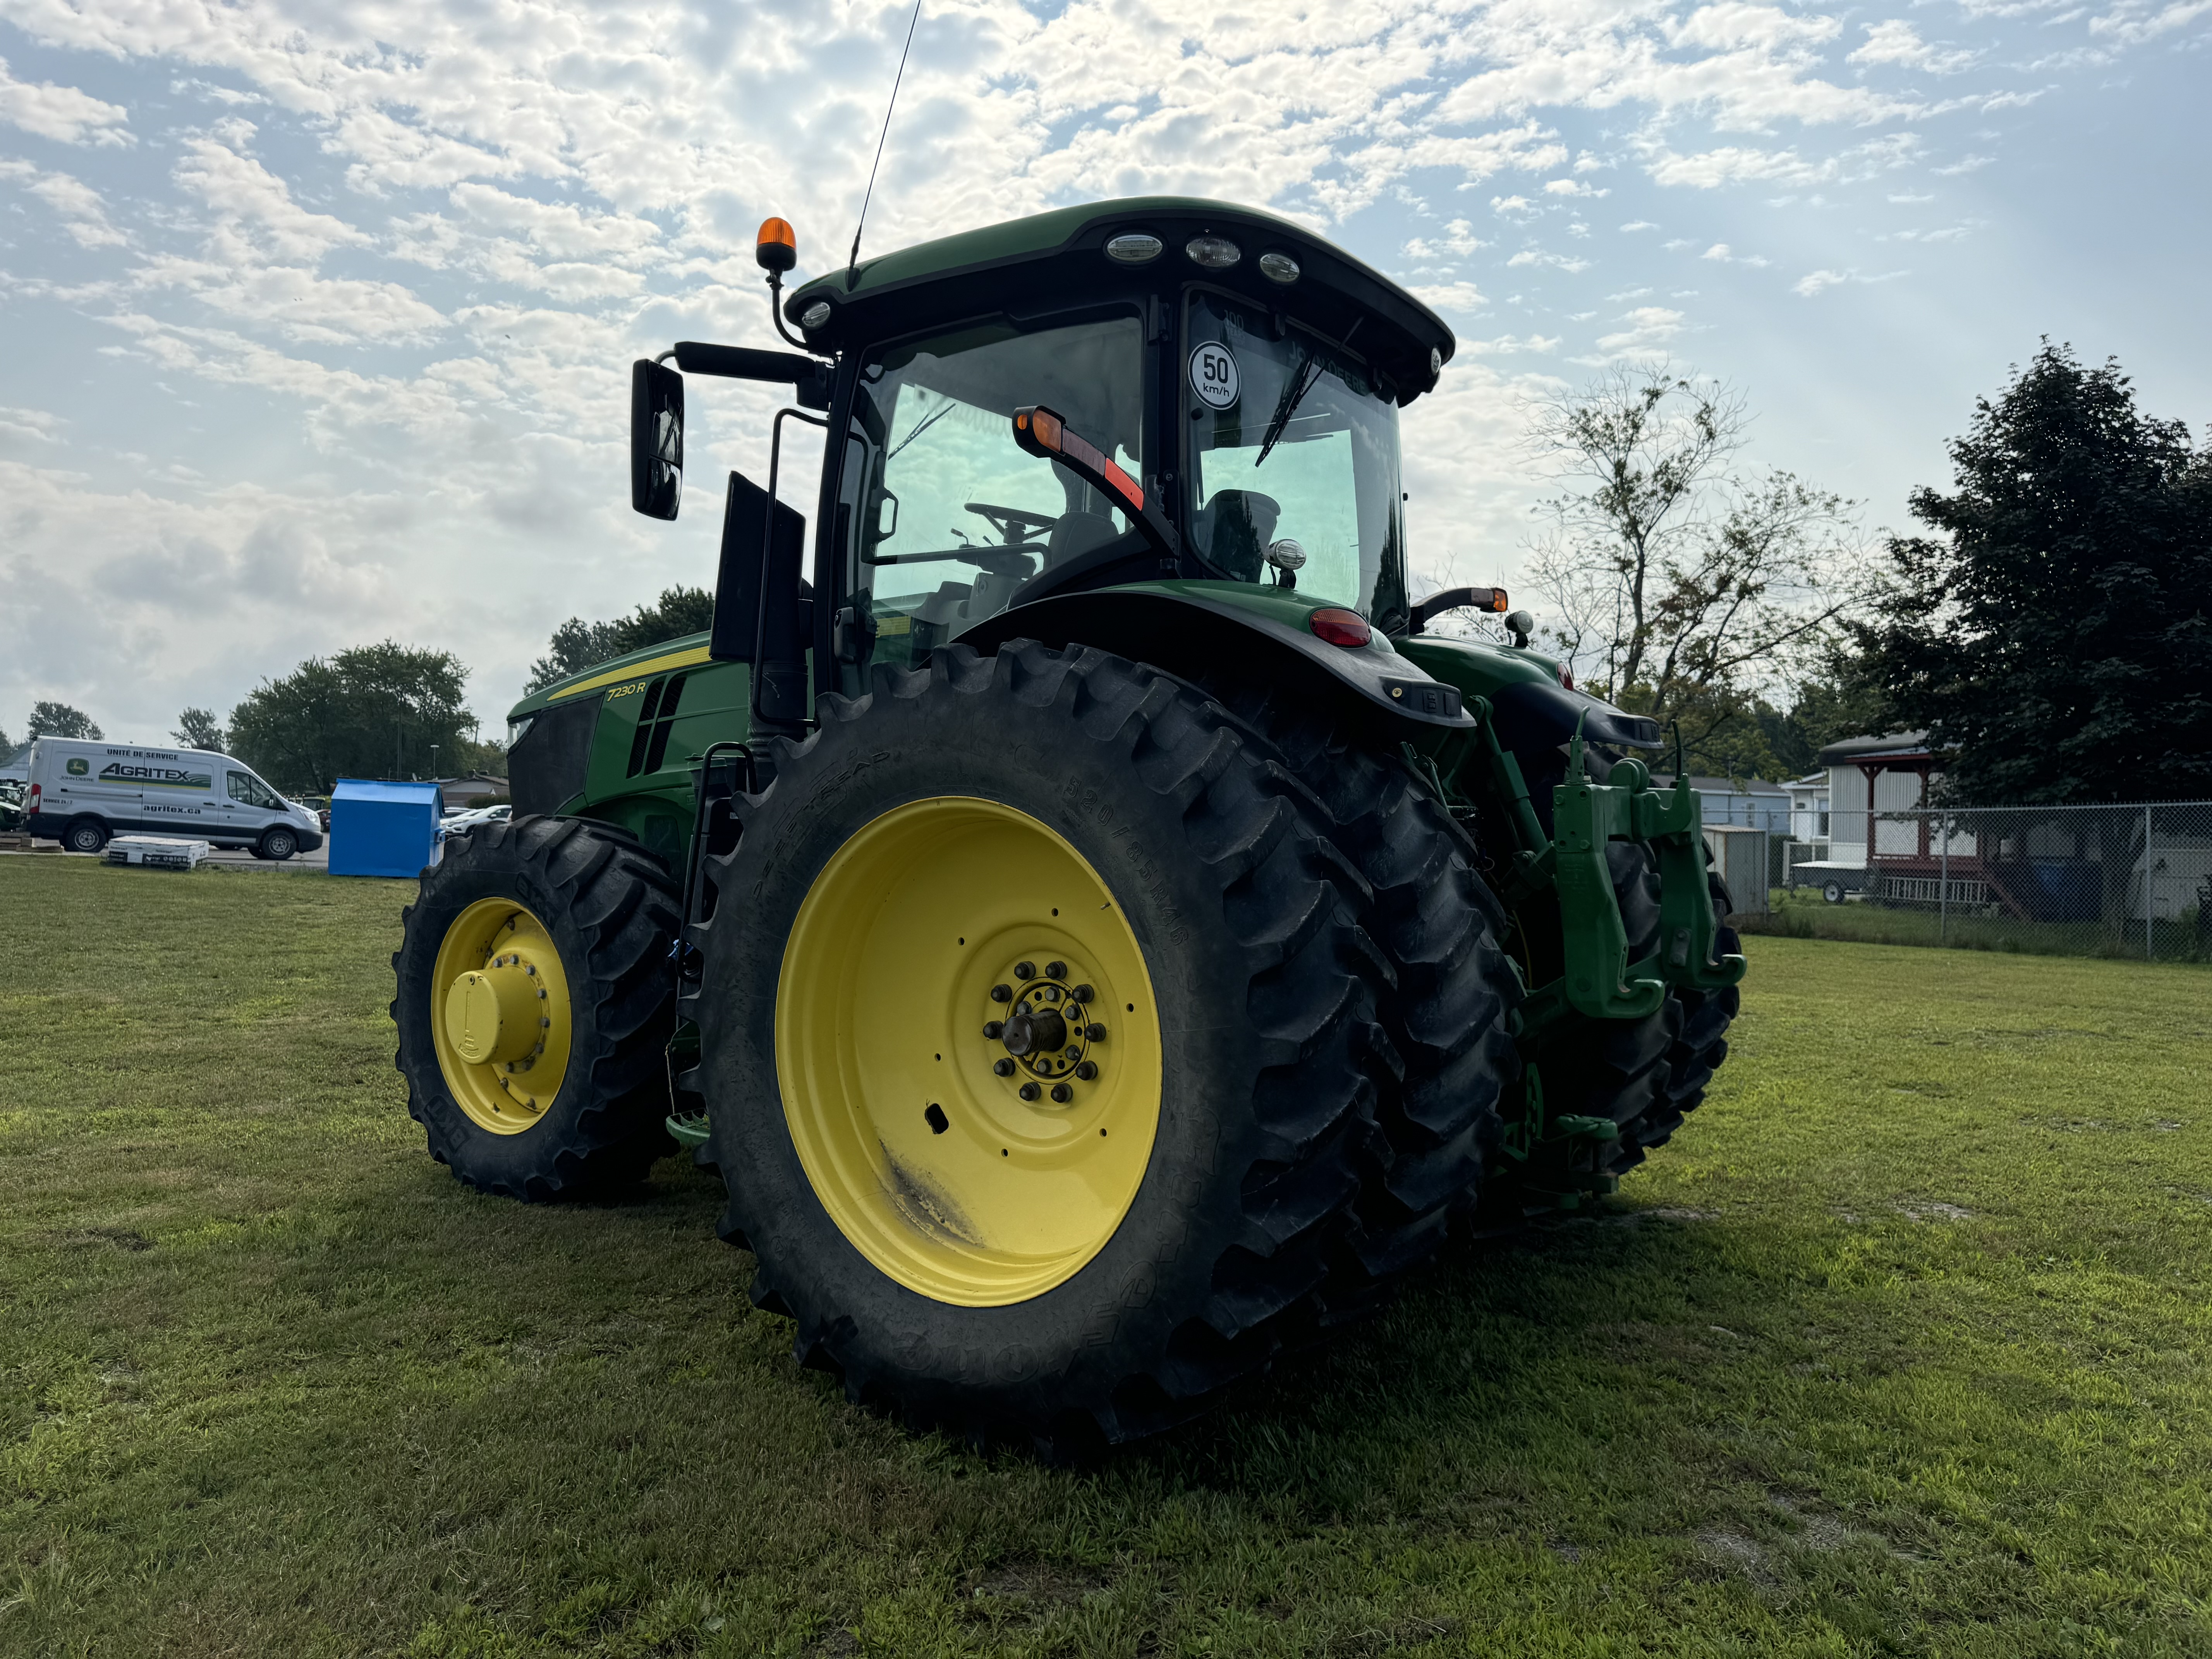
(500, 1016)
(979, 1170)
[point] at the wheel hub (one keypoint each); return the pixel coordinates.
(1048, 1035)
(500, 1020)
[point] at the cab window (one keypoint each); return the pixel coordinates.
(245, 787)
(942, 517)
(1294, 461)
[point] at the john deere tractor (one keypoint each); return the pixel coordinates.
(1101, 934)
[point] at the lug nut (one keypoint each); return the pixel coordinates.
(1086, 1070)
(1004, 1068)
(1025, 970)
(1062, 1094)
(1052, 993)
(1029, 1091)
(1055, 970)
(994, 1029)
(1096, 1033)
(1002, 993)
(1083, 994)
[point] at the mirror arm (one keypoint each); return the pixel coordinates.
(1453, 598)
(810, 377)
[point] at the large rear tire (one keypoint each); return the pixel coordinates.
(534, 1005)
(1006, 1266)
(1449, 1011)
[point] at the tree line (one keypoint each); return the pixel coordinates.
(2048, 627)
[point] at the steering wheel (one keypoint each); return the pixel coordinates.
(1015, 524)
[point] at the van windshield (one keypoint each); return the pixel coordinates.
(1292, 442)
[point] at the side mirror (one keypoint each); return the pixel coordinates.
(656, 439)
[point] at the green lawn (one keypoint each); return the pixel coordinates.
(1901, 1348)
(1803, 914)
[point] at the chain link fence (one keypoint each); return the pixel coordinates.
(2108, 881)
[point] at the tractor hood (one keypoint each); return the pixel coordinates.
(1058, 257)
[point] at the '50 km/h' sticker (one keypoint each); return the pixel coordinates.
(1214, 376)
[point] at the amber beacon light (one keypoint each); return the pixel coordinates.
(776, 247)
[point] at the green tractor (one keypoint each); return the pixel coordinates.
(1102, 937)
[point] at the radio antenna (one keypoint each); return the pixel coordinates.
(853, 260)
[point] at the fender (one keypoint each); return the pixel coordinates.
(1188, 627)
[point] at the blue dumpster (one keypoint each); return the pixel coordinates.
(383, 828)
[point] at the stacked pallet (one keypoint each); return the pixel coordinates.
(157, 852)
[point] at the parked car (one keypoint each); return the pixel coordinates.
(460, 822)
(82, 793)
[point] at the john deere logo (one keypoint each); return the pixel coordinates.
(78, 768)
(144, 775)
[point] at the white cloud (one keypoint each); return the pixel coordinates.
(1650, 329)
(1557, 261)
(1721, 253)
(82, 213)
(1508, 345)
(2131, 24)
(1737, 164)
(1572, 187)
(1635, 225)
(1815, 283)
(1450, 296)
(62, 113)
(1895, 41)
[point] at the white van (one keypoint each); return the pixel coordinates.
(83, 793)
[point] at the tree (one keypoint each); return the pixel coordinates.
(577, 644)
(2055, 632)
(375, 711)
(196, 728)
(58, 720)
(1677, 587)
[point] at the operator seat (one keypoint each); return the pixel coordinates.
(1233, 531)
(1074, 533)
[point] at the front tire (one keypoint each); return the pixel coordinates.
(277, 845)
(534, 1006)
(967, 1256)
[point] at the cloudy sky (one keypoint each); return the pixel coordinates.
(315, 318)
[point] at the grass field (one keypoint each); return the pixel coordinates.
(1901, 1348)
(1803, 914)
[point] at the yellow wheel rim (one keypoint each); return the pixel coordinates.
(500, 1016)
(911, 1123)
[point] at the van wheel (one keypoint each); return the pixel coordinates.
(278, 844)
(1833, 892)
(85, 836)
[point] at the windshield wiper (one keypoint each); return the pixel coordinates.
(1294, 393)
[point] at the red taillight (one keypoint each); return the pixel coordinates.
(1345, 628)
(1566, 678)
(37, 789)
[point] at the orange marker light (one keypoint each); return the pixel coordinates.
(776, 247)
(1041, 432)
(1499, 601)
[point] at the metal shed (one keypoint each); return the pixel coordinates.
(380, 828)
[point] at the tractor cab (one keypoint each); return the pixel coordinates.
(1228, 386)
